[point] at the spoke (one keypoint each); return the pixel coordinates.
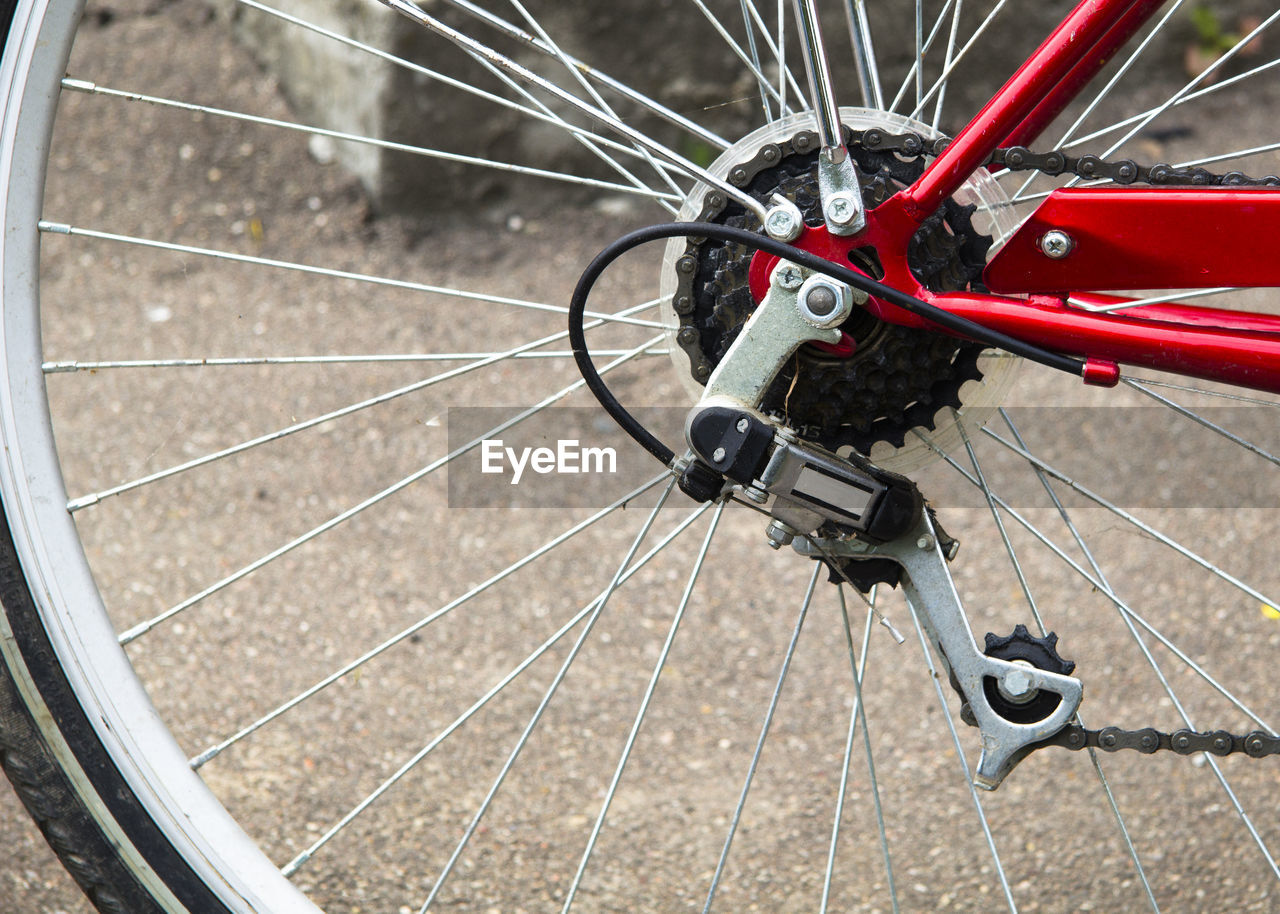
(469, 88)
(650, 688)
(1044, 631)
(1145, 116)
(955, 61)
(1220, 394)
(951, 50)
(778, 48)
(755, 63)
(965, 773)
(91, 88)
(864, 54)
(1151, 300)
(915, 73)
(740, 53)
(547, 696)
(582, 80)
(302, 859)
(621, 88)
(338, 519)
(86, 501)
(1201, 420)
(1186, 90)
(62, 228)
(471, 46)
(764, 735)
(73, 365)
(858, 714)
(1124, 608)
(214, 751)
(1131, 519)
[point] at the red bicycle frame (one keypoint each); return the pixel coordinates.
(1124, 238)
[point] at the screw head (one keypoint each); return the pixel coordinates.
(789, 276)
(781, 223)
(742, 425)
(1056, 244)
(840, 208)
(717, 456)
(925, 542)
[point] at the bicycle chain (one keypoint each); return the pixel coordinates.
(1148, 740)
(1089, 167)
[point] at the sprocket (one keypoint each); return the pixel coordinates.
(898, 377)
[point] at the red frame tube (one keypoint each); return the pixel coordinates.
(1117, 228)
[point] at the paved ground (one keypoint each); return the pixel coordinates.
(236, 187)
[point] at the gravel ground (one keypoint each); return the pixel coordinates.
(241, 188)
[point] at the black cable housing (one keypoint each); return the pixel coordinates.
(941, 317)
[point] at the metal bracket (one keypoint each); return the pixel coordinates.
(927, 583)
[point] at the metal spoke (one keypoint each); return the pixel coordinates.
(955, 61)
(740, 53)
(306, 856)
(547, 697)
(510, 30)
(1150, 300)
(645, 701)
(62, 228)
(1186, 89)
(858, 715)
(373, 653)
(63, 366)
(1044, 631)
(1095, 584)
(1131, 519)
(471, 46)
(1201, 420)
(760, 741)
(340, 518)
(754, 51)
(946, 66)
(915, 73)
(965, 773)
(582, 80)
(1202, 391)
(778, 48)
(444, 79)
(91, 88)
(86, 501)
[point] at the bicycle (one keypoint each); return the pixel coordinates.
(460, 706)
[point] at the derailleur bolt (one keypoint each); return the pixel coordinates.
(779, 533)
(925, 542)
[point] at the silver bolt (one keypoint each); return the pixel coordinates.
(821, 300)
(1056, 244)
(717, 456)
(789, 276)
(779, 534)
(743, 425)
(756, 494)
(925, 542)
(783, 220)
(840, 208)
(1016, 685)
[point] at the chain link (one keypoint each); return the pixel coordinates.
(1089, 167)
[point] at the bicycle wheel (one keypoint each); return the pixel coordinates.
(282, 632)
